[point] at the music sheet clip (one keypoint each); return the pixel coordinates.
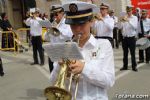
(58, 51)
(45, 23)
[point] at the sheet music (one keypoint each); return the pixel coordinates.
(32, 10)
(45, 23)
(57, 51)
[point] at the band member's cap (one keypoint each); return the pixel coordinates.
(144, 11)
(78, 12)
(129, 8)
(111, 11)
(104, 5)
(56, 8)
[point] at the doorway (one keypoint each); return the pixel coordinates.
(19, 8)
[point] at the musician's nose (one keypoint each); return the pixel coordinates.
(76, 28)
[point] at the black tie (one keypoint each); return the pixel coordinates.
(142, 28)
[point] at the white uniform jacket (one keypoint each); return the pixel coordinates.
(35, 27)
(146, 26)
(98, 73)
(129, 28)
(105, 27)
(115, 20)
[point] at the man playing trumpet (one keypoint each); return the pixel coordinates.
(105, 24)
(128, 25)
(36, 39)
(64, 30)
(97, 69)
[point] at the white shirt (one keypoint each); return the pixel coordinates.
(146, 25)
(105, 27)
(66, 33)
(129, 28)
(35, 27)
(115, 20)
(98, 73)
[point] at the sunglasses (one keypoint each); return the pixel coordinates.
(103, 8)
(55, 14)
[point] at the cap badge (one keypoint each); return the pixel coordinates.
(73, 8)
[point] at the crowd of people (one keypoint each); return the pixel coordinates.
(78, 18)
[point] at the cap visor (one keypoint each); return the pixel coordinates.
(78, 20)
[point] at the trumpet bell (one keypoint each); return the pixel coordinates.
(56, 93)
(54, 31)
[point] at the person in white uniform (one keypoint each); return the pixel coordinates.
(36, 39)
(97, 69)
(105, 25)
(129, 24)
(144, 31)
(65, 30)
(115, 30)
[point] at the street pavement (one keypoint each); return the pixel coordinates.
(25, 82)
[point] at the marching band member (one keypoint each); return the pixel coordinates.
(97, 69)
(115, 30)
(138, 13)
(128, 25)
(59, 22)
(36, 39)
(144, 30)
(105, 25)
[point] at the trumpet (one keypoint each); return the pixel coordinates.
(98, 17)
(32, 15)
(124, 19)
(54, 29)
(59, 90)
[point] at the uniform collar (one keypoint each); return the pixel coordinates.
(131, 16)
(91, 43)
(107, 16)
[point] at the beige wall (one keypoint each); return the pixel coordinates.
(1, 7)
(13, 10)
(17, 13)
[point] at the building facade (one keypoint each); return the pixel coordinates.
(16, 9)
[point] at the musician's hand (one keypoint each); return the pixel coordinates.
(126, 18)
(10, 29)
(60, 62)
(99, 16)
(77, 67)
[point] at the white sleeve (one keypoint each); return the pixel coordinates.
(66, 33)
(116, 21)
(120, 25)
(28, 22)
(134, 22)
(109, 23)
(65, 30)
(100, 72)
